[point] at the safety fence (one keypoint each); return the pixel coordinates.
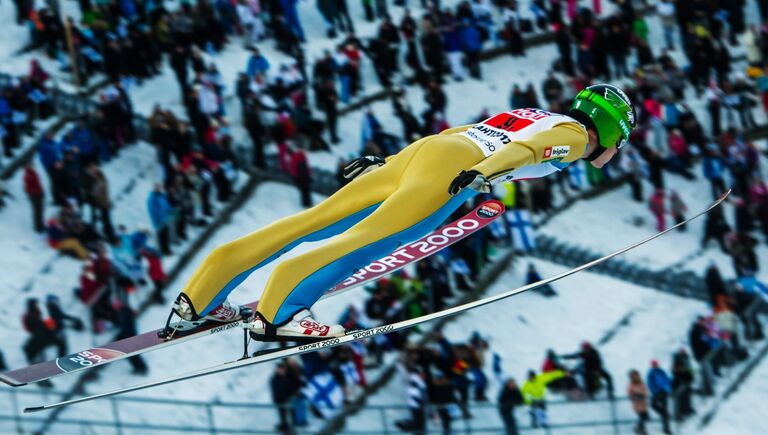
(134, 415)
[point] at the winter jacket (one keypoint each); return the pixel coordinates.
(657, 204)
(712, 167)
(535, 389)
(32, 185)
(82, 137)
(100, 193)
(49, 151)
(638, 395)
(469, 38)
(257, 65)
(509, 398)
(160, 210)
(658, 381)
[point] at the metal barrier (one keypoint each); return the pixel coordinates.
(128, 415)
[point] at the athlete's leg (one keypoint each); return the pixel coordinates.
(230, 264)
(420, 204)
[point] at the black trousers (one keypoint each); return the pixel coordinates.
(38, 211)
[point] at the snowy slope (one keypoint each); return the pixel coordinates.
(744, 412)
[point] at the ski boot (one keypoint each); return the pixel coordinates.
(302, 328)
(223, 314)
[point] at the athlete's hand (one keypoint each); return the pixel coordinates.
(361, 166)
(469, 179)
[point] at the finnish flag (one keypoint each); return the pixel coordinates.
(351, 375)
(521, 227)
(576, 175)
(324, 393)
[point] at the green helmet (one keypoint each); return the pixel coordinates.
(611, 112)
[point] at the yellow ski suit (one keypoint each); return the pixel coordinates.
(375, 213)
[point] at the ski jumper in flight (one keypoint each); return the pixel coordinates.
(394, 201)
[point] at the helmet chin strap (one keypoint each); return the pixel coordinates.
(599, 150)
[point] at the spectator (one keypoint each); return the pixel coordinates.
(534, 391)
(416, 400)
(41, 335)
(715, 227)
(284, 384)
(59, 321)
(682, 384)
(126, 324)
(302, 176)
(327, 99)
(36, 195)
(659, 386)
(533, 276)
(161, 214)
(99, 199)
(638, 396)
(658, 209)
(677, 208)
(510, 398)
(592, 369)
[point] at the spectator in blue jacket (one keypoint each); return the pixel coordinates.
(257, 63)
(660, 387)
(291, 14)
(713, 167)
(471, 42)
(452, 47)
(83, 138)
(161, 214)
(49, 150)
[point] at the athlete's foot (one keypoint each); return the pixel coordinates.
(225, 313)
(302, 328)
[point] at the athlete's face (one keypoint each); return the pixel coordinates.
(605, 157)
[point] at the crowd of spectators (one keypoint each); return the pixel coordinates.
(23, 102)
(282, 106)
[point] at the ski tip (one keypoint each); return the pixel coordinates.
(725, 194)
(33, 409)
(10, 381)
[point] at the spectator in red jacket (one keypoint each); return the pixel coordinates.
(156, 272)
(658, 209)
(302, 176)
(36, 195)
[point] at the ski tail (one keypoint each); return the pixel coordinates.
(367, 333)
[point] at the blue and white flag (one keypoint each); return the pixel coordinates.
(497, 229)
(324, 393)
(576, 175)
(521, 227)
(351, 375)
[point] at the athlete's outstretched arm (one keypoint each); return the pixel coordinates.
(568, 140)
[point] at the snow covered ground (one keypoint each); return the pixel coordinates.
(744, 411)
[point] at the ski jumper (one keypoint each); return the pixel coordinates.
(379, 211)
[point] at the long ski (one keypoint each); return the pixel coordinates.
(480, 217)
(367, 333)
